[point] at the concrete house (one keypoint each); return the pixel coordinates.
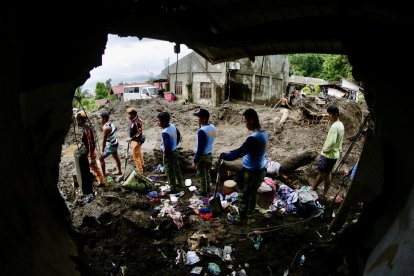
(197, 80)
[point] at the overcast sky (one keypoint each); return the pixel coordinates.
(129, 59)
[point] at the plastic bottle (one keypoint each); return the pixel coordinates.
(302, 260)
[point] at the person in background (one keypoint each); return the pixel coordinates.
(253, 151)
(331, 150)
(135, 134)
(170, 139)
(89, 144)
(284, 103)
(351, 174)
(284, 108)
(109, 143)
(203, 158)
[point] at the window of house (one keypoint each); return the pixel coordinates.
(178, 88)
(205, 90)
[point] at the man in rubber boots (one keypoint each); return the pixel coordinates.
(203, 158)
(170, 139)
(253, 152)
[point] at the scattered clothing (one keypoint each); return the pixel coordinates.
(272, 167)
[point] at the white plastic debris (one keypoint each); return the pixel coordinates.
(192, 258)
(188, 182)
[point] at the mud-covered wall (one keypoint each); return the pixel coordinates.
(191, 71)
(263, 80)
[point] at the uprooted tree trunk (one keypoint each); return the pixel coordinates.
(288, 165)
(294, 162)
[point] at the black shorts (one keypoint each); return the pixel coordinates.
(326, 164)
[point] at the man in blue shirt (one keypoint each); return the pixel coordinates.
(253, 152)
(170, 139)
(203, 149)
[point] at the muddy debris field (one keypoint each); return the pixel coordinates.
(124, 232)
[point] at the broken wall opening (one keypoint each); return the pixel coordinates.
(33, 203)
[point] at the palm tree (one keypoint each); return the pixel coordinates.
(79, 96)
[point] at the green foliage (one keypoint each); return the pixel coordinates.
(307, 65)
(88, 104)
(112, 97)
(307, 90)
(109, 179)
(317, 89)
(336, 66)
(101, 91)
(328, 67)
(361, 98)
(79, 94)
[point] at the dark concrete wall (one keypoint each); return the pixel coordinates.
(45, 56)
(387, 161)
(47, 51)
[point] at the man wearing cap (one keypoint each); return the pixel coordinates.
(135, 134)
(89, 144)
(203, 149)
(253, 151)
(170, 139)
(109, 143)
(331, 150)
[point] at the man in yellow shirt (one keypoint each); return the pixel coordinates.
(330, 151)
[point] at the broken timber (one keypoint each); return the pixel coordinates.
(312, 117)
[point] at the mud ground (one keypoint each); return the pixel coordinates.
(120, 234)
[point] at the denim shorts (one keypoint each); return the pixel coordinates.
(110, 150)
(326, 164)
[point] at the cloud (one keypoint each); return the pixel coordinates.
(130, 59)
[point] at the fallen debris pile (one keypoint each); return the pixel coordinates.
(125, 232)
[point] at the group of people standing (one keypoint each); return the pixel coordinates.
(253, 152)
(110, 143)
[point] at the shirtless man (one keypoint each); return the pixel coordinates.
(284, 103)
